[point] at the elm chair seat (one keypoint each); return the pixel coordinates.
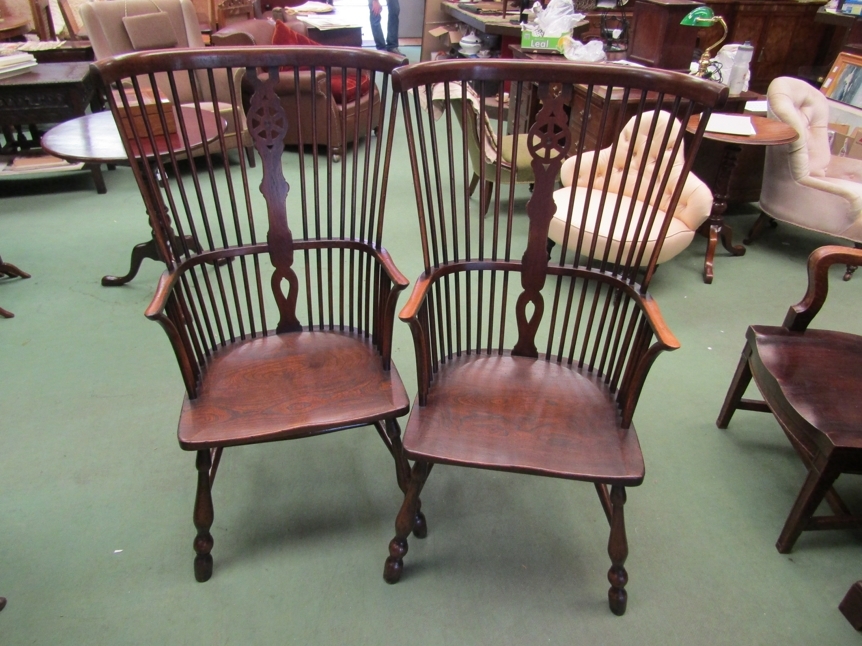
(243, 400)
(541, 436)
(811, 381)
(601, 217)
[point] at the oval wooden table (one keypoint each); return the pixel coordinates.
(10, 29)
(94, 139)
(768, 132)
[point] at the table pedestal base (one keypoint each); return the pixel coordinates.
(141, 252)
(715, 227)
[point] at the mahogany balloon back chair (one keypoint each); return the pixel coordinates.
(529, 364)
(810, 380)
(279, 298)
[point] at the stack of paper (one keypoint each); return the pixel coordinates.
(323, 23)
(314, 7)
(730, 124)
(40, 45)
(37, 163)
(15, 63)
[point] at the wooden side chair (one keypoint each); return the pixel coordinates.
(279, 303)
(42, 21)
(492, 156)
(528, 364)
(810, 380)
(74, 28)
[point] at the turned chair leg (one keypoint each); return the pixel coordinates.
(740, 382)
(473, 184)
(488, 193)
(409, 519)
(249, 153)
(203, 518)
(618, 550)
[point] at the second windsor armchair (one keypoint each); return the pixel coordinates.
(526, 364)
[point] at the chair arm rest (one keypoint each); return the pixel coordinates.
(800, 315)
(165, 286)
(845, 168)
(665, 340)
(247, 32)
(662, 332)
(388, 265)
(828, 187)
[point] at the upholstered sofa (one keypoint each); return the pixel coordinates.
(803, 183)
(342, 112)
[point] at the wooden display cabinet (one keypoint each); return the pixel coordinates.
(785, 36)
(658, 39)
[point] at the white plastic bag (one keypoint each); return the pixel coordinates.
(556, 19)
(592, 52)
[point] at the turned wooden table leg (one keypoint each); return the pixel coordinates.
(140, 252)
(715, 228)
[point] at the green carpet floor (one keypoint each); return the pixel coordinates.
(96, 496)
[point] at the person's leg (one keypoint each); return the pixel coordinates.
(393, 9)
(376, 31)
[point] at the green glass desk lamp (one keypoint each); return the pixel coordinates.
(705, 17)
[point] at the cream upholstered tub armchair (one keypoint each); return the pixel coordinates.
(803, 183)
(127, 26)
(593, 216)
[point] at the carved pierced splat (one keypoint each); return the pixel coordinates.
(548, 142)
(267, 124)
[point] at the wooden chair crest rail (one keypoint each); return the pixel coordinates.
(810, 381)
(529, 364)
(279, 303)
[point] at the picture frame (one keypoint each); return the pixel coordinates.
(844, 81)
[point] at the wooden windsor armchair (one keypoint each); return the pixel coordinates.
(279, 303)
(526, 364)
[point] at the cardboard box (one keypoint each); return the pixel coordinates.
(136, 118)
(448, 35)
(839, 133)
(531, 42)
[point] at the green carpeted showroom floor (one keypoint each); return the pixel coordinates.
(96, 496)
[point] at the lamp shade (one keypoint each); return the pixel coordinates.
(699, 17)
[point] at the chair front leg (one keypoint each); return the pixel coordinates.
(409, 519)
(203, 518)
(618, 550)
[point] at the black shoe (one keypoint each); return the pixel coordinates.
(395, 50)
